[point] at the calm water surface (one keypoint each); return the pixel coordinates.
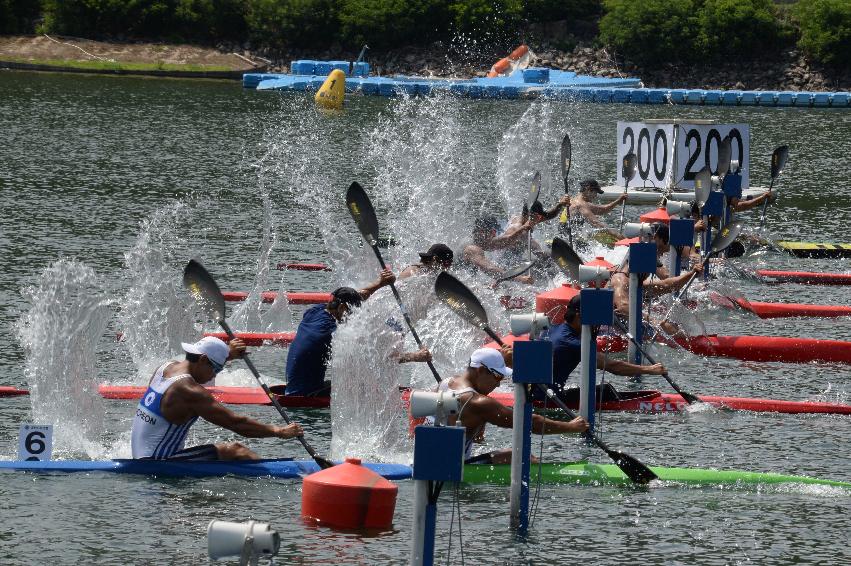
(88, 162)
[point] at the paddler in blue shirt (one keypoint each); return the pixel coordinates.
(310, 352)
(176, 398)
(485, 371)
(567, 351)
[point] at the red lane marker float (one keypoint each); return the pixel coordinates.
(258, 338)
(806, 277)
(292, 298)
(6, 391)
(303, 266)
(224, 394)
(770, 348)
(781, 310)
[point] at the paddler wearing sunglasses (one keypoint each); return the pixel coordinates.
(176, 397)
(484, 373)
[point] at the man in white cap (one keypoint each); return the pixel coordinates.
(176, 398)
(484, 373)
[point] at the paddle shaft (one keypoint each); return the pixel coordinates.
(765, 205)
(226, 327)
(623, 204)
(404, 310)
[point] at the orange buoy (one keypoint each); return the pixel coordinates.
(658, 215)
(349, 496)
(628, 241)
(600, 261)
(553, 303)
(505, 65)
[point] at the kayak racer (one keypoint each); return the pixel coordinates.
(176, 398)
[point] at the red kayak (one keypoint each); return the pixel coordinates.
(806, 277)
(303, 266)
(224, 394)
(258, 338)
(631, 401)
(6, 391)
(783, 310)
(658, 402)
(770, 348)
(292, 298)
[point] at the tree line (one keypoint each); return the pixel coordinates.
(646, 32)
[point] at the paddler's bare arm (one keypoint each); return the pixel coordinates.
(739, 205)
(493, 412)
(662, 286)
(510, 236)
(619, 367)
(201, 402)
(554, 211)
(385, 278)
(475, 255)
(604, 208)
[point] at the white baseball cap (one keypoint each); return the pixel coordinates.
(491, 359)
(216, 350)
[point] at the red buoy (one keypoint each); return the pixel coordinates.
(601, 261)
(553, 303)
(658, 215)
(628, 241)
(349, 496)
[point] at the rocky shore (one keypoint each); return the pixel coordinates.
(789, 70)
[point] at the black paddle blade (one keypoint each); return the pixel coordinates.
(634, 470)
(778, 160)
(726, 237)
(524, 214)
(363, 213)
(534, 189)
(628, 166)
(460, 299)
(725, 153)
(702, 186)
(566, 258)
(515, 271)
(566, 152)
(204, 290)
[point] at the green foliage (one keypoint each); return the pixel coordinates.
(825, 30)
(388, 23)
(552, 10)
(651, 31)
(19, 16)
(484, 18)
(737, 29)
(201, 20)
(294, 23)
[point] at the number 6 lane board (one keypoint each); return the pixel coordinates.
(671, 153)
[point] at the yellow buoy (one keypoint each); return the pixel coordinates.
(331, 94)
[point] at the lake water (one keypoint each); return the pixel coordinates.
(109, 185)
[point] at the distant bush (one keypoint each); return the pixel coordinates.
(651, 31)
(825, 30)
(294, 23)
(19, 16)
(740, 29)
(550, 10)
(487, 18)
(201, 20)
(388, 23)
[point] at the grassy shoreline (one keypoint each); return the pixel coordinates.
(112, 66)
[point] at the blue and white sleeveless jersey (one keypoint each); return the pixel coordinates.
(153, 436)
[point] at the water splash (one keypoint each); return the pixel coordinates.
(156, 312)
(68, 315)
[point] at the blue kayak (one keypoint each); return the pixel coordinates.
(279, 468)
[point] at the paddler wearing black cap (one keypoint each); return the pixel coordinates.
(438, 258)
(175, 398)
(584, 208)
(567, 351)
(310, 351)
(485, 371)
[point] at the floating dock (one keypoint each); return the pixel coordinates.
(531, 83)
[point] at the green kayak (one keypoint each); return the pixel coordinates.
(610, 474)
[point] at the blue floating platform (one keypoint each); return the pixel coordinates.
(533, 82)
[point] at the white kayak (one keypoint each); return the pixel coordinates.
(649, 195)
